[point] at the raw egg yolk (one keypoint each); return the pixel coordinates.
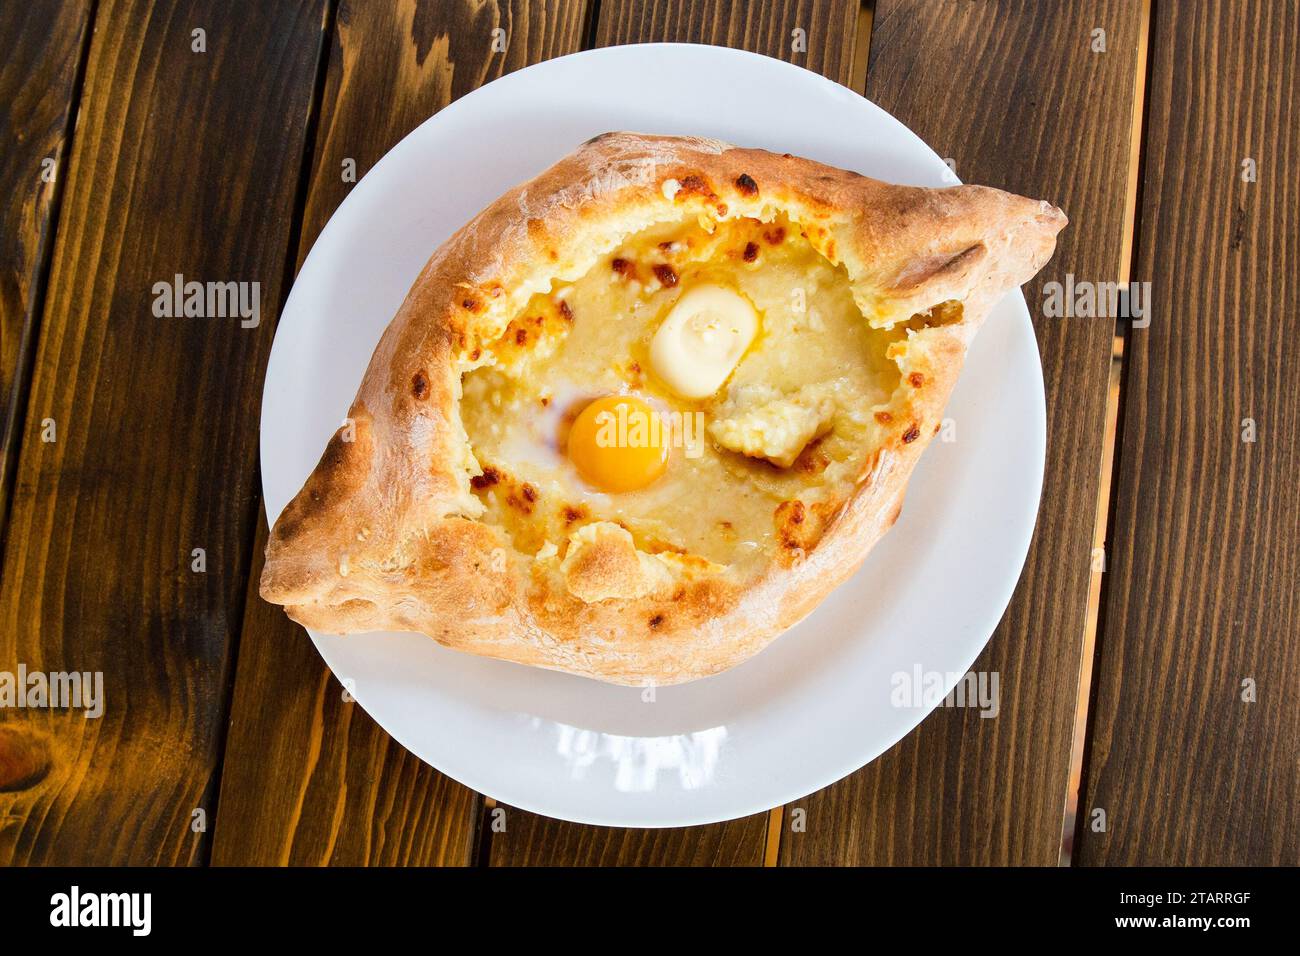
(617, 443)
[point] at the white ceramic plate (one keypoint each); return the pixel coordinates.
(814, 706)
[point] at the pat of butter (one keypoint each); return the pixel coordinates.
(702, 339)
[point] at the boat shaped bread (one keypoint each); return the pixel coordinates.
(644, 412)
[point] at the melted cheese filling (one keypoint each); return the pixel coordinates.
(804, 390)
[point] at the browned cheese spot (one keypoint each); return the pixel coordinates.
(489, 478)
(666, 275)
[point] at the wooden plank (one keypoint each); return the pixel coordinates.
(1015, 95)
(1205, 571)
(532, 840)
(184, 162)
(829, 27)
(45, 47)
(825, 45)
(308, 776)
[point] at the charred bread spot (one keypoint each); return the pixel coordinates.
(696, 185)
(623, 267)
(529, 492)
(916, 379)
(745, 183)
(521, 336)
(666, 276)
(655, 621)
(420, 386)
(575, 513)
(774, 236)
(340, 474)
(751, 252)
(911, 435)
(566, 312)
(475, 355)
(884, 417)
(472, 304)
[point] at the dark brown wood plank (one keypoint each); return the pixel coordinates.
(1014, 94)
(825, 46)
(309, 777)
(830, 28)
(1204, 585)
(183, 162)
(45, 47)
(531, 840)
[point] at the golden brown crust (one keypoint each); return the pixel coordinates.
(383, 535)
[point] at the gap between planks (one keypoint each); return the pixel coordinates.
(291, 256)
(14, 424)
(1109, 454)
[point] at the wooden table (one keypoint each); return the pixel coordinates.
(1160, 690)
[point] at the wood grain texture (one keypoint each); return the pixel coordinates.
(309, 778)
(45, 47)
(766, 28)
(826, 45)
(171, 172)
(1204, 582)
(1012, 92)
(531, 840)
